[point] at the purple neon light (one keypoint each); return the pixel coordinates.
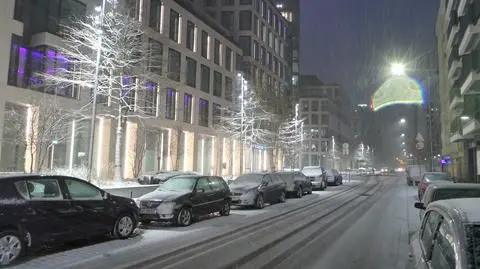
(22, 54)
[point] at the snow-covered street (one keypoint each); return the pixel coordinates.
(347, 240)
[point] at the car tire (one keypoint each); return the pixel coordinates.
(310, 191)
(299, 193)
(225, 211)
(11, 244)
(184, 217)
(124, 226)
(259, 202)
(283, 197)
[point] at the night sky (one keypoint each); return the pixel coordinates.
(351, 41)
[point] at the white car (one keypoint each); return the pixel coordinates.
(449, 236)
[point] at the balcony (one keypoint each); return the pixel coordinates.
(470, 39)
(456, 100)
(455, 70)
(448, 10)
(461, 7)
(46, 39)
(451, 36)
(471, 84)
(456, 130)
(471, 128)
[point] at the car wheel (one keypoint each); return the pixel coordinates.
(310, 191)
(124, 226)
(299, 192)
(259, 203)
(184, 217)
(282, 198)
(11, 247)
(225, 209)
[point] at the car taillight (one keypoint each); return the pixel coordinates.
(424, 186)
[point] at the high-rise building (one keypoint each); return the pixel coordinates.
(459, 61)
(178, 134)
(327, 124)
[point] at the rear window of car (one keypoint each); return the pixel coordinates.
(438, 177)
(455, 193)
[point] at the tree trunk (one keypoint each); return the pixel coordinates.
(118, 147)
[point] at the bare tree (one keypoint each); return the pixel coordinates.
(129, 68)
(290, 137)
(139, 151)
(37, 128)
(363, 155)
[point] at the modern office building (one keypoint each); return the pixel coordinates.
(177, 134)
(262, 33)
(327, 124)
(458, 49)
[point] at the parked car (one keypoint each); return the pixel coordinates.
(436, 191)
(297, 183)
(448, 236)
(39, 210)
(256, 189)
(183, 198)
(338, 177)
(333, 177)
(317, 176)
(414, 173)
(160, 177)
(430, 177)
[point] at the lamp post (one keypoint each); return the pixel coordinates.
(91, 144)
(296, 133)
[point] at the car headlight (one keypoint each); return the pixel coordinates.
(137, 201)
(166, 208)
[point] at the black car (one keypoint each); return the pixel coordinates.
(39, 210)
(161, 177)
(183, 198)
(297, 183)
(258, 189)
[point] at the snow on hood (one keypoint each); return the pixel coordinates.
(163, 195)
(243, 187)
(312, 172)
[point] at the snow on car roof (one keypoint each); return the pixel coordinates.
(449, 185)
(464, 209)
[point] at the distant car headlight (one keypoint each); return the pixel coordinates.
(166, 208)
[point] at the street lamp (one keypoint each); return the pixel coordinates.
(397, 69)
(402, 135)
(91, 143)
(403, 143)
(464, 117)
(402, 120)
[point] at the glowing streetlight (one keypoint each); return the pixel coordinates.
(397, 69)
(403, 143)
(403, 120)
(402, 135)
(464, 117)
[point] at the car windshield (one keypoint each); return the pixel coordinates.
(248, 179)
(438, 177)
(446, 194)
(472, 232)
(178, 184)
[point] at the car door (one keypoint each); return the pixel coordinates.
(203, 197)
(268, 189)
(55, 218)
(220, 192)
(96, 214)
(422, 248)
(299, 177)
(278, 186)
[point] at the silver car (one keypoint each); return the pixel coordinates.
(444, 191)
(449, 236)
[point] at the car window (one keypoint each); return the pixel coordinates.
(287, 177)
(39, 189)
(82, 190)
(300, 177)
(216, 184)
(472, 232)
(429, 227)
(204, 183)
(443, 254)
(455, 193)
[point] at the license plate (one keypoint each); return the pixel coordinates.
(148, 211)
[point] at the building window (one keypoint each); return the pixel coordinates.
(270, 61)
(256, 50)
(314, 119)
(133, 7)
(52, 16)
(191, 72)
(217, 113)
(204, 47)
(209, 3)
(174, 64)
(305, 106)
(203, 112)
(170, 104)
(315, 105)
(212, 13)
(190, 35)
(246, 45)
(228, 89)
(174, 25)
(155, 57)
(264, 9)
(187, 108)
(18, 10)
(151, 92)
(256, 29)
(129, 92)
(325, 119)
(263, 55)
(245, 2)
(245, 20)
(228, 2)
(227, 19)
(18, 60)
(217, 84)
(205, 79)
(216, 52)
(228, 58)
(155, 14)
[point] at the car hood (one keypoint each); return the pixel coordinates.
(163, 195)
(243, 187)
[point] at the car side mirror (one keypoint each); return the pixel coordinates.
(420, 205)
(105, 195)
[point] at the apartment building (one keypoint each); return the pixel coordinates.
(177, 133)
(262, 34)
(328, 136)
(457, 34)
